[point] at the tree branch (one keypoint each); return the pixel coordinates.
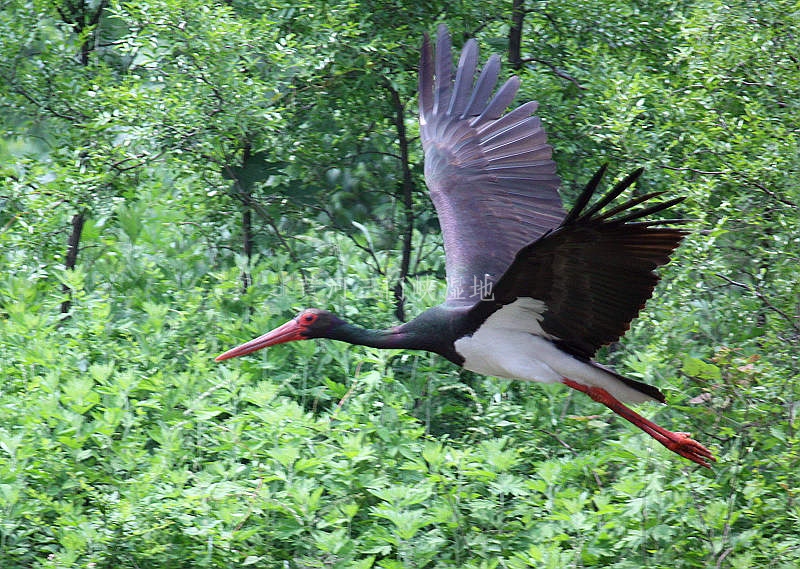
(735, 174)
(247, 200)
(559, 72)
(762, 297)
(349, 235)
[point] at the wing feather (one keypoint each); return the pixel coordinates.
(499, 102)
(508, 120)
(594, 273)
(465, 76)
(483, 88)
(491, 176)
(444, 72)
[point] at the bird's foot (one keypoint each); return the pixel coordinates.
(677, 442)
(687, 447)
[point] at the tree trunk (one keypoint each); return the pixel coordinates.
(245, 191)
(407, 188)
(73, 245)
(247, 235)
(79, 18)
(515, 34)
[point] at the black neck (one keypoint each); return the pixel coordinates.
(389, 338)
(407, 336)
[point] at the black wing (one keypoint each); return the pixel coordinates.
(490, 175)
(594, 273)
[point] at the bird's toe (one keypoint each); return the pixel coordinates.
(689, 448)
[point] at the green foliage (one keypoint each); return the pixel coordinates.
(122, 444)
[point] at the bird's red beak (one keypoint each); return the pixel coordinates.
(288, 332)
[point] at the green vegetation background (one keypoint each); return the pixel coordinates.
(179, 176)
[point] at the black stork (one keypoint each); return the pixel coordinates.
(555, 286)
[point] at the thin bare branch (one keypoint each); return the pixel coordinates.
(748, 180)
(763, 298)
(559, 72)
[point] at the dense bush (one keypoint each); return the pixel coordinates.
(222, 165)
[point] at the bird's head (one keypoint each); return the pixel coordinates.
(309, 323)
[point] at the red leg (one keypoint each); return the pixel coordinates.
(679, 443)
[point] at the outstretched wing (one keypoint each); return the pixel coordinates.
(593, 274)
(490, 175)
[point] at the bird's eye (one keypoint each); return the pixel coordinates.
(309, 318)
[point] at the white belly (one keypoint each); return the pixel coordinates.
(518, 354)
(511, 344)
(513, 354)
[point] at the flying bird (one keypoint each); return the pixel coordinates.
(532, 291)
